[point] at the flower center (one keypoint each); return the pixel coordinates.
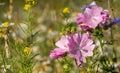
(84, 25)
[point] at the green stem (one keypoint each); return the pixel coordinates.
(26, 65)
(29, 32)
(3, 58)
(101, 46)
(110, 3)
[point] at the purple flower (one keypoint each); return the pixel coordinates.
(63, 48)
(114, 21)
(92, 17)
(80, 46)
(77, 45)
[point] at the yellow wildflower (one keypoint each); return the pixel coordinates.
(66, 10)
(27, 50)
(27, 6)
(5, 24)
(33, 2)
(20, 72)
(3, 32)
(82, 71)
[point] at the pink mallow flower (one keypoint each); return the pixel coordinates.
(92, 17)
(78, 46)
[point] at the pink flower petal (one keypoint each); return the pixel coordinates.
(63, 42)
(58, 53)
